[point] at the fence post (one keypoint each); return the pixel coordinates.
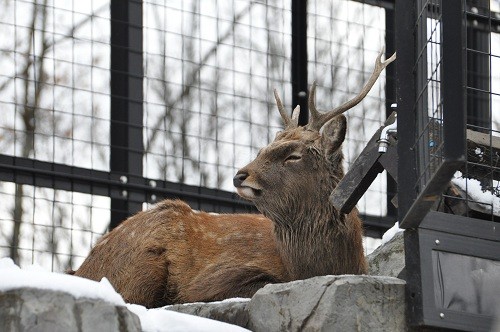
(390, 96)
(453, 81)
(405, 83)
(299, 58)
(126, 104)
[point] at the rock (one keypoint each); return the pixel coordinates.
(229, 311)
(389, 258)
(29, 309)
(330, 303)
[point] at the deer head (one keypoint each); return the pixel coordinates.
(291, 179)
(303, 163)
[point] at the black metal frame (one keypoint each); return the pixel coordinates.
(429, 233)
(416, 202)
(405, 84)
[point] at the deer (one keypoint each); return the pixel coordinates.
(174, 254)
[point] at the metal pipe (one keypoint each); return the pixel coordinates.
(383, 142)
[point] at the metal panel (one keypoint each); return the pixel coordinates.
(451, 272)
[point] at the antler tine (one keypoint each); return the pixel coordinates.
(292, 122)
(312, 103)
(295, 117)
(318, 121)
(281, 108)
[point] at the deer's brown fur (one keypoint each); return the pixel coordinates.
(290, 182)
(172, 254)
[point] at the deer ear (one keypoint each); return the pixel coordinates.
(333, 134)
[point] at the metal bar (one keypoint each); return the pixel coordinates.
(406, 31)
(460, 225)
(386, 4)
(413, 278)
(361, 174)
(478, 69)
(453, 81)
(299, 58)
(126, 100)
(405, 83)
(63, 177)
(430, 194)
(390, 96)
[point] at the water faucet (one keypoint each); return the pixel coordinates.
(383, 141)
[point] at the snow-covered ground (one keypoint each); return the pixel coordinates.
(152, 320)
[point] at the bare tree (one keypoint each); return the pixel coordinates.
(36, 119)
(183, 121)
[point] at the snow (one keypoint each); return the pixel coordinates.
(158, 319)
(473, 189)
(13, 277)
(152, 320)
(389, 234)
(234, 299)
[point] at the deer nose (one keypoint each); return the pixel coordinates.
(239, 178)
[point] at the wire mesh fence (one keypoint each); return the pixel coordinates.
(209, 70)
(475, 190)
(54, 96)
(482, 169)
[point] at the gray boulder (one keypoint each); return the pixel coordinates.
(30, 309)
(388, 259)
(330, 303)
(232, 312)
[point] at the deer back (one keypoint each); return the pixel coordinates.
(172, 254)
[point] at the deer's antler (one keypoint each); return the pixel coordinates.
(319, 119)
(292, 122)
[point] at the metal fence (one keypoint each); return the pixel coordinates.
(448, 143)
(108, 106)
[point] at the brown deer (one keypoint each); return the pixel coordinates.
(172, 254)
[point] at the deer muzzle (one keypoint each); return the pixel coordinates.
(246, 186)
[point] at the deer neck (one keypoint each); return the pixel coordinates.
(309, 242)
(314, 238)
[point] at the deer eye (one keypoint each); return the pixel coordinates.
(293, 157)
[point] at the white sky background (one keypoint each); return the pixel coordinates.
(73, 126)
